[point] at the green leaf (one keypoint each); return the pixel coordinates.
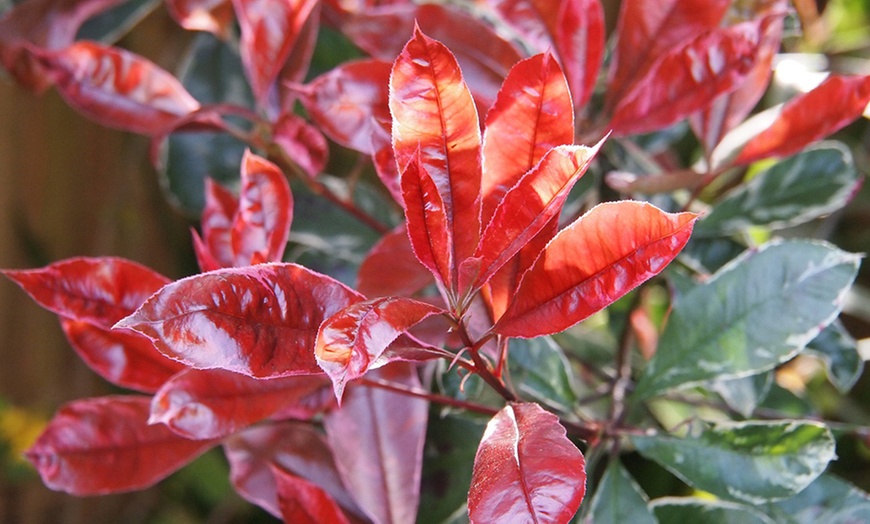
(839, 351)
(618, 499)
(708, 255)
(111, 25)
(813, 183)
(703, 511)
(744, 394)
(752, 462)
(538, 368)
(827, 500)
(755, 313)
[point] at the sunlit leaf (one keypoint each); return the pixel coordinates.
(391, 269)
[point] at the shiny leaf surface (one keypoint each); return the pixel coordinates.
(526, 469)
(132, 454)
(304, 502)
(600, 257)
(215, 249)
(391, 269)
(260, 321)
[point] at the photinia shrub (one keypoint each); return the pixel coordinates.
(425, 334)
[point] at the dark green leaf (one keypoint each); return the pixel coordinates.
(752, 462)
(109, 26)
(744, 394)
(618, 500)
(838, 350)
(755, 313)
(703, 511)
(828, 500)
(708, 255)
(811, 184)
(539, 369)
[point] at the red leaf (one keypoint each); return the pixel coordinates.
(391, 269)
(294, 447)
(117, 88)
(591, 263)
(809, 117)
(260, 321)
(434, 117)
(526, 469)
(298, 62)
(647, 29)
(531, 115)
(529, 206)
(303, 143)
(100, 291)
(214, 16)
(689, 78)
(574, 29)
(215, 249)
(353, 340)
(270, 29)
(261, 225)
(377, 438)
(105, 445)
(214, 403)
(123, 358)
(304, 502)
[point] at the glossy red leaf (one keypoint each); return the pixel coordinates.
(207, 404)
(353, 340)
(573, 29)
(100, 291)
(689, 78)
(303, 143)
(123, 358)
(526, 469)
(270, 29)
(214, 16)
(434, 118)
(593, 262)
(304, 502)
(105, 445)
(294, 447)
(296, 66)
(377, 438)
(391, 269)
(531, 115)
(809, 117)
(215, 249)
(117, 88)
(529, 206)
(261, 320)
(647, 29)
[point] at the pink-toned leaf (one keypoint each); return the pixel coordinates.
(214, 16)
(649, 28)
(100, 291)
(529, 206)
(261, 225)
(123, 358)
(531, 115)
(215, 249)
(593, 262)
(526, 469)
(105, 445)
(261, 320)
(298, 62)
(303, 143)
(351, 103)
(574, 29)
(207, 404)
(377, 438)
(809, 117)
(117, 88)
(434, 118)
(270, 29)
(391, 269)
(689, 78)
(294, 447)
(353, 340)
(427, 223)
(304, 502)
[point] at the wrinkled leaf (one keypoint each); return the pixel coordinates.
(839, 351)
(811, 184)
(752, 462)
(391, 269)
(132, 454)
(756, 312)
(618, 499)
(303, 502)
(526, 469)
(827, 499)
(591, 263)
(691, 509)
(377, 437)
(261, 321)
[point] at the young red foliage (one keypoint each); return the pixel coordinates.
(302, 142)
(391, 269)
(305, 502)
(214, 16)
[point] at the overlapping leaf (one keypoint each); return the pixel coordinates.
(588, 265)
(391, 269)
(526, 469)
(827, 499)
(302, 142)
(260, 321)
(618, 498)
(304, 502)
(132, 454)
